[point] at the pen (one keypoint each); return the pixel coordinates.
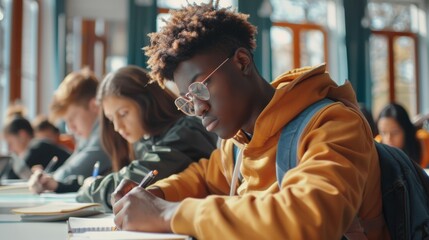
(96, 169)
(51, 164)
(148, 179)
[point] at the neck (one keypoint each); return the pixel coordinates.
(262, 95)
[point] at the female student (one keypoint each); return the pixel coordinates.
(140, 121)
(29, 151)
(396, 130)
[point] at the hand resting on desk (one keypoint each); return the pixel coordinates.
(137, 209)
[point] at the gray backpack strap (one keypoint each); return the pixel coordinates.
(286, 157)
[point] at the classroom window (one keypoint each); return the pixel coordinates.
(281, 48)
(394, 59)
(165, 5)
(29, 57)
(298, 34)
(5, 31)
(99, 44)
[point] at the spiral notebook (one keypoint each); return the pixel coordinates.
(104, 228)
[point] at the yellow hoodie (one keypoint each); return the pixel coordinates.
(337, 175)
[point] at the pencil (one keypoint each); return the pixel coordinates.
(51, 164)
(148, 179)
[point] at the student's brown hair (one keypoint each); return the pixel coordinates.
(197, 29)
(157, 108)
(77, 88)
(42, 123)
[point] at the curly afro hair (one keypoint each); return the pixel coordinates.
(196, 29)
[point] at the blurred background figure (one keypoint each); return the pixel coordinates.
(28, 151)
(397, 130)
(44, 129)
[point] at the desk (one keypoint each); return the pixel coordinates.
(11, 227)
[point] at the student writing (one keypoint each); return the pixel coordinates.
(141, 129)
(74, 102)
(28, 151)
(337, 177)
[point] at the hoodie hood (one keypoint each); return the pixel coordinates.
(295, 91)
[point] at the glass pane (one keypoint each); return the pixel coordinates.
(379, 73)
(405, 69)
(161, 18)
(299, 11)
(393, 16)
(5, 31)
(180, 3)
(281, 50)
(29, 57)
(312, 48)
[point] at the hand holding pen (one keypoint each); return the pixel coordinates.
(126, 185)
(147, 211)
(40, 181)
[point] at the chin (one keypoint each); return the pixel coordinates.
(225, 134)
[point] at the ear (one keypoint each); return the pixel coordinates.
(93, 106)
(244, 59)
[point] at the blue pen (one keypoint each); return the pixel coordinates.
(96, 169)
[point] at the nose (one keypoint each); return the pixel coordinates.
(201, 107)
(117, 125)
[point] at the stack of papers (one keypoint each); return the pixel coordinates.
(104, 229)
(19, 187)
(56, 211)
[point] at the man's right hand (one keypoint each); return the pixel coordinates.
(40, 182)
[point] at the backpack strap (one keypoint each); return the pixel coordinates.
(286, 156)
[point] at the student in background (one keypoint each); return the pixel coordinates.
(397, 130)
(74, 102)
(208, 53)
(28, 151)
(140, 121)
(44, 129)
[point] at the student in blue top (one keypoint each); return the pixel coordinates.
(74, 102)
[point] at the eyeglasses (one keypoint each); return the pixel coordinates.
(198, 90)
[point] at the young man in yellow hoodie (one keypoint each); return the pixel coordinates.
(207, 52)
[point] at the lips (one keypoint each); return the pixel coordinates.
(210, 123)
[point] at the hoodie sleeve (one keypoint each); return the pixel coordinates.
(317, 200)
(198, 180)
(184, 143)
